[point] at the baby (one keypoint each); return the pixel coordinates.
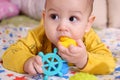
(62, 18)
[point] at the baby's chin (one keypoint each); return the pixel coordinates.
(55, 44)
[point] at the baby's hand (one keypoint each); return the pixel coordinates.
(75, 54)
(33, 65)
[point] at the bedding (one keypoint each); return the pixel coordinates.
(9, 33)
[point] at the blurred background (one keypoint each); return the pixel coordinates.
(107, 12)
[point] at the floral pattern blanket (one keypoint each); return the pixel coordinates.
(9, 35)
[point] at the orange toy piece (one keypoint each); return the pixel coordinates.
(66, 42)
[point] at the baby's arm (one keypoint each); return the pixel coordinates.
(17, 54)
(100, 59)
(93, 56)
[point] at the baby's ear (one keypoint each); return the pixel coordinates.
(43, 14)
(90, 22)
(91, 19)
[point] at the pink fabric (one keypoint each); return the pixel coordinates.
(7, 9)
(4, 0)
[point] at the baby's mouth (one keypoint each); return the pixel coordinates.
(63, 38)
(66, 41)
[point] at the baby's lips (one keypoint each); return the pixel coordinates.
(63, 38)
(66, 41)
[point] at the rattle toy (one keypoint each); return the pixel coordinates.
(83, 76)
(66, 41)
(53, 64)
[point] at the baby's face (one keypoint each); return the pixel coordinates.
(65, 18)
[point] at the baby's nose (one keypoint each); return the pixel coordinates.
(62, 26)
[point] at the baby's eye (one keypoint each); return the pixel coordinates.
(54, 16)
(73, 18)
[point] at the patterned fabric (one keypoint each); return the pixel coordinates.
(9, 35)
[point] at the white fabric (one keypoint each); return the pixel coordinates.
(100, 11)
(32, 8)
(114, 13)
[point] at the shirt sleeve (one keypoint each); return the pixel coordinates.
(100, 59)
(16, 55)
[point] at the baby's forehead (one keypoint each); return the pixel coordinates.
(83, 5)
(85, 2)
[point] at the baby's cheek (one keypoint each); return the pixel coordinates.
(66, 42)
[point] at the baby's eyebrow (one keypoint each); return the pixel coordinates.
(77, 12)
(51, 9)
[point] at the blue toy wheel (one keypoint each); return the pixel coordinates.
(52, 63)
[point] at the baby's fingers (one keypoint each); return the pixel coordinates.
(80, 43)
(30, 70)
(38, 68)
(38, 60)
(38, 64)
(63, 55)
